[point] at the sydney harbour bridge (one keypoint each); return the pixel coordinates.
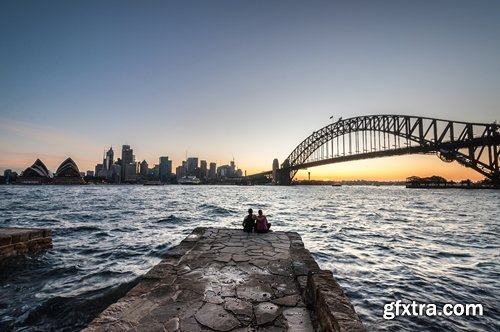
(474, 145)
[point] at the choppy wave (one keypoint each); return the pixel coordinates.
(382, 244)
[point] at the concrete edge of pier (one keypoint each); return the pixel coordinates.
(221, 279)
(20, 241)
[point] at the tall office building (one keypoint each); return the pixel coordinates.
(143, 169)
(203, 169)
(212, 172)
(107, 161)
(128, 163)
(192, 166)
(165, 169)
(232, 170)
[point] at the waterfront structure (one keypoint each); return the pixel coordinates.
(203, 169)
(474, 145)
(20, 241)
(192, 166)
(282, 288)
(154, 173)
(108, 160)
(128, 164)
(180, 172)
(165, 168)
(9, 176)
(130, 172)
(143, 169)
(90, 174)
(99, 169)
(229, 171)
(35, 174)
(212, 172)
(68, 173)
(276, 168)
(116, 173)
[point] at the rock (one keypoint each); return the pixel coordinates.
(212, 297)
(257, 293)
(288, 301)
(172, 325)
(266, 312)
(215, 317)
(297, 320)
(238, 307)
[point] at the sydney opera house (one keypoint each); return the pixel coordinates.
(67, 173)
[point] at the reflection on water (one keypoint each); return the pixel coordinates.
(382, 244)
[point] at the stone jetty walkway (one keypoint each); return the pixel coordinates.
(20, 241)
(226, 280)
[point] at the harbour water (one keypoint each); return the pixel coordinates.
(382, 243)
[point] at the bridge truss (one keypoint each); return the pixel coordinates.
(474, 145)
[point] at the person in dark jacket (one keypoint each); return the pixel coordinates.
(249, 222)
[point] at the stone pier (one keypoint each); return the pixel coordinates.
(227, 280)
(19, 241)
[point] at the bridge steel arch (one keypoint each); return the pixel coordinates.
(474, 145)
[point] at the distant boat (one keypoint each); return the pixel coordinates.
(189, 180)
(336, 185)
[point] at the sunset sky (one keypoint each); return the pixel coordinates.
(249, 79)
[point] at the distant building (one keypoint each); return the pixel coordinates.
(143, 169)
(90, 174)
(233, 168)
(165, 169)
(284, 175)
(108, 162)
(212, 172)
(129, 167)
(116, 173)
(154, 173)
(224, 171)
(9, 176)
(130, 172)
(99, 169)
(275, 168)
(68, 173)
(192, 166)
(203, 169)
(35, 174)
(180, 172)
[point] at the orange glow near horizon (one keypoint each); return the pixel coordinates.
(391, 169)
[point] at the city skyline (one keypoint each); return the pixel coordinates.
(249, 80)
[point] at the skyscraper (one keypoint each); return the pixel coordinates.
(192, 166)
(203, 169)
(128, 163)
(107, 162)
(144, 169)
(212, 173)
(165, 169)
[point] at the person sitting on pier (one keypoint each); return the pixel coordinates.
(262, 225)
(249, 222)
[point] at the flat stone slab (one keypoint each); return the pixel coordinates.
(222, 280)
(19, 241)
